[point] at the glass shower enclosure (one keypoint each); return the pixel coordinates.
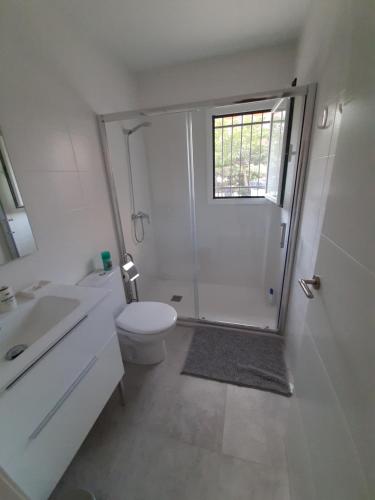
(206, 200)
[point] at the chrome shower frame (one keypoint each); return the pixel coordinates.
(306, 91)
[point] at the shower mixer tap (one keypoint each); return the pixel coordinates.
(141, 215)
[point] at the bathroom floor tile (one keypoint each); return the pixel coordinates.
(189, 409)
(185, 438)
(254, 426)
(198, 411)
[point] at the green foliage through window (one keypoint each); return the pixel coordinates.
(240, 152)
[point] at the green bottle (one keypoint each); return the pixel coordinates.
(107, 260)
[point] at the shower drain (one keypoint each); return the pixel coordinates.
(15, 351)
(176, 298)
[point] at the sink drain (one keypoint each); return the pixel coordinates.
(15, 351)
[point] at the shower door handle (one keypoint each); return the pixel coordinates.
(283, 233)
(304, 284)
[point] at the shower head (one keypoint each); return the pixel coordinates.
(131, 131)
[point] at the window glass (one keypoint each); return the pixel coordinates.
(241, 150)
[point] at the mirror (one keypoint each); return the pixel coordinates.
(16, 237)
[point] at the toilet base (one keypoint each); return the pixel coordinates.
(149, 353)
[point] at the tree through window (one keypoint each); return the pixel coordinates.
(241, 146)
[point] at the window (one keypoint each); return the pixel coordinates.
(241, 149)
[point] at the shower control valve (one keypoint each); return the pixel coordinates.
(141, 215)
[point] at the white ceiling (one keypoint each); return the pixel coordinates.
(152, 33)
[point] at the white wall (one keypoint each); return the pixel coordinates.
(331, 443)
(52, 82)
(261, 69)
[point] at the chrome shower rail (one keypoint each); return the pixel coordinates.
(301, 90)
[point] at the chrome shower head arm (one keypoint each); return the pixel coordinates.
(128, 131)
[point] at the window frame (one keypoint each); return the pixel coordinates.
(212, 113)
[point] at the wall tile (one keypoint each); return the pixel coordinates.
(321, 138)
(313, 202)
(332, 358)
(35, 147)
(350, 205)
(329, 441)
(298, 456)
(346, 341)
(87, 152)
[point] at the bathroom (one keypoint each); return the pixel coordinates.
(75, 75)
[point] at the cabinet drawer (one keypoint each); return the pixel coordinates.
(46, 456)
(30, 398)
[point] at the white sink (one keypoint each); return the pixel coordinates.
(31, 323)
(39, 323)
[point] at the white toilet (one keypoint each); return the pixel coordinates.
(142, 326)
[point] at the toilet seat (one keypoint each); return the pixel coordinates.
(146, 318)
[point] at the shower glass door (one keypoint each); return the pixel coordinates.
(206, 199)
(172, 277)
(242, 234)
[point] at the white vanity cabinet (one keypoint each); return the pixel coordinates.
(46, 413)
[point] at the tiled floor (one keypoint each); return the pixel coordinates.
(227, 303)
(183, 438)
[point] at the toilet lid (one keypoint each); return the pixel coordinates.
(147, 317)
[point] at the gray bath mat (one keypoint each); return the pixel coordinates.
(249, 359)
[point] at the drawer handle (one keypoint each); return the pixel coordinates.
(63, 398)
(22, 374)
